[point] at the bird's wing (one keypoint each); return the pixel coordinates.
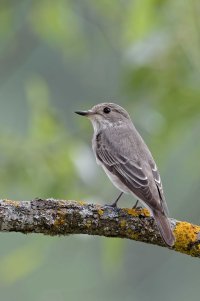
(128, 170)
(158, 182)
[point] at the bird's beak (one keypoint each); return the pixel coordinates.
(84, 113)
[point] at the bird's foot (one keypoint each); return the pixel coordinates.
(136, 207)
(114, 204)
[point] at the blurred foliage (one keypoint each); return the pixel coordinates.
(40, 162)
(60, 56)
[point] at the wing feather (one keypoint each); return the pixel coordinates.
(122, 166)
(158, 182)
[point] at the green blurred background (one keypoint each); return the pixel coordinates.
(60, 56)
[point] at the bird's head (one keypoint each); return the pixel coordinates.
(106, 115)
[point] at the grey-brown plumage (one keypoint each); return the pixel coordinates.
(127, 161)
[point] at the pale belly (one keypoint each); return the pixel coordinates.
(116, 182)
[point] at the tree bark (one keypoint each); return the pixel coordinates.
(59, 217)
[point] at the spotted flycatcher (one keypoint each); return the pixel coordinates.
(127, 161)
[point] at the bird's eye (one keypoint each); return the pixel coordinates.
(106, 110)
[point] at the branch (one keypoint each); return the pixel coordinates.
(58, 217)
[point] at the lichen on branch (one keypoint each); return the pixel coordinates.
(59, 217)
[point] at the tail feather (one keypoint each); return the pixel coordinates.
(164, 227)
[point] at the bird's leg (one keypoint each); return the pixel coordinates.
(135, 206)
(114, 204)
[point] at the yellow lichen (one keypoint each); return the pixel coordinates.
(81, 203)
(13, 203)
(186, 234)
(61, 203)
(137, 212)
(88, 223)
(132, 235)
(60, 219)
(100, 211)
(123, 223)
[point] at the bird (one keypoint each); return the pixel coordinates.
(124, 156)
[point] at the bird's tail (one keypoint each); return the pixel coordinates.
(164, 227)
